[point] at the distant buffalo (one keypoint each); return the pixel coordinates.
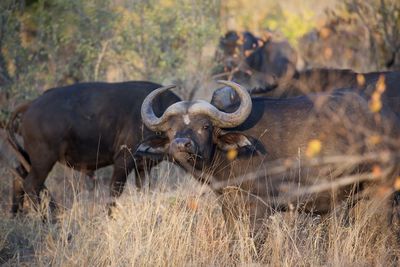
(253, 62)
(321, 80)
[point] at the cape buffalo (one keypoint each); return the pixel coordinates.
(254, 62)
(321, 80)
(227, 146)
(233, 46)
(274, 59)
(85, 126)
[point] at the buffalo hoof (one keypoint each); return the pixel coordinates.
(112, 210)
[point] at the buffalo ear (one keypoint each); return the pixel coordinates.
(243, 144)
(154, 147)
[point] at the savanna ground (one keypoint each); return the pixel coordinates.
(177, 222)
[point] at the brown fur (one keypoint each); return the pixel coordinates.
(278, 130)
(85, 126)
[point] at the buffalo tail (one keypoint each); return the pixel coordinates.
(22, 155)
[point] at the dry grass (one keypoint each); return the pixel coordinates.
(179, 223)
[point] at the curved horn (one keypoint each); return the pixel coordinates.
(219, 118)
(148, 116)
(222, 119)
(228, 120)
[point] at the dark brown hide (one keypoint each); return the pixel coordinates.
(276, 129)
(253, 62)
(85, 126)
(321, 80)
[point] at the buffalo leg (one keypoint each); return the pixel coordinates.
(140, 176)
(18, 195)
(34, 182)
(122, 167)
(91, 180)
(18, 191)
(142, 170)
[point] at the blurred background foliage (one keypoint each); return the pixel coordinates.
(49, 43)
(290, 18)
(52, 43)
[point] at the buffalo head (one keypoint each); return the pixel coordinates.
(191, 130)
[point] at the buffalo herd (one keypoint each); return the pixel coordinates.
(256, 146)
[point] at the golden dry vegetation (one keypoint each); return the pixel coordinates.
(179, 223)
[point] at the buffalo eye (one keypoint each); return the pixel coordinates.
(206, 126)
(158, 133)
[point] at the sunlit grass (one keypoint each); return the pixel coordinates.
(179, 223)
